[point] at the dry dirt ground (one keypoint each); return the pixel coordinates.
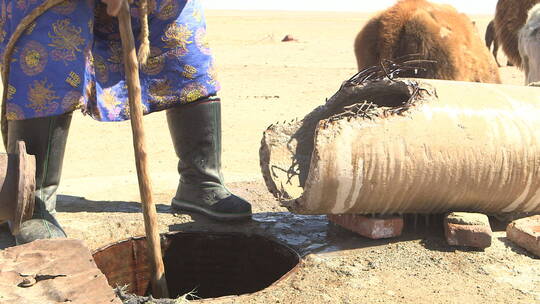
(265, 80)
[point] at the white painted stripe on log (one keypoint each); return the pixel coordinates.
(521, 198)
(533, 203)
(359, 182)
(344, 172)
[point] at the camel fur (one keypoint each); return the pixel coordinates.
(435, 32)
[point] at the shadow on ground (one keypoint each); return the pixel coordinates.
(515, 248)
(305, 233)
(67, 203)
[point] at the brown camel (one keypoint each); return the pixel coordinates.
(510, 16)
(435, 32)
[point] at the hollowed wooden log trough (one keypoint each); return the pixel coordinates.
(409, 146)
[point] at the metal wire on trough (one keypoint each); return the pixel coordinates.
(388, 69)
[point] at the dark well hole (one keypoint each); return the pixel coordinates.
(211, 264)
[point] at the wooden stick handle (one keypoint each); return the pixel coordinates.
(131, 66)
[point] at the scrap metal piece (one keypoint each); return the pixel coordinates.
(52, 271)
(17, 186)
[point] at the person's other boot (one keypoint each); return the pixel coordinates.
(196, 133)
(46, 139)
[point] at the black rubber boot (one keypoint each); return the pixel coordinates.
(46, 139)
(196, 134)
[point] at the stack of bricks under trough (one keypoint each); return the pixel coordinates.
(467, 229)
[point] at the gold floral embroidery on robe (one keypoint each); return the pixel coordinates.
(168, 9)
(177, 37)
(66, 40)
(42, 97)
(14, 112)
(33, 58)
(109, 99)
(155, 63)
(193, 92)
(189, 71)
(161, 92)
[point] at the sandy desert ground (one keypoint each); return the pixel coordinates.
(265, 80)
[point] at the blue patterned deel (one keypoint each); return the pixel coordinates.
(71, 58)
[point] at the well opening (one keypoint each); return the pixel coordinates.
(206, 264)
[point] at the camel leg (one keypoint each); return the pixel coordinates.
(495, 51)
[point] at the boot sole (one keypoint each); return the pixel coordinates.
(189, 207)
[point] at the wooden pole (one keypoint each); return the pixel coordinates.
(131, 66)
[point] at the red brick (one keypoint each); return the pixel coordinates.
(467, 229)
(370, 227)
(525, 232)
